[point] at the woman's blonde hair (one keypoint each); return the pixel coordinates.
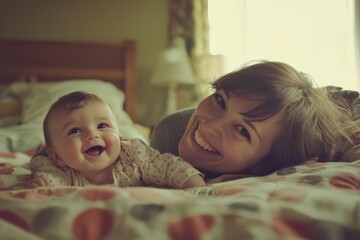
(314, 125)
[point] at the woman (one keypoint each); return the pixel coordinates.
(261, 118)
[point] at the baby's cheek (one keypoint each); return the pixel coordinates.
(70, 151)
(114, 143)
(115, 137)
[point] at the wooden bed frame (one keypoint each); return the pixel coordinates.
(41, 61)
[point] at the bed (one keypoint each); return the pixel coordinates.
(309, 201)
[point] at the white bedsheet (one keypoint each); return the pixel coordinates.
(21, 138)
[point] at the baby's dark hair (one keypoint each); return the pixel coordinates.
(68, 102)
(313, 125)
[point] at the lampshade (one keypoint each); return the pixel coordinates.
(173, 66)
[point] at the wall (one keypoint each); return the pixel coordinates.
(94, 20)
(357, 37)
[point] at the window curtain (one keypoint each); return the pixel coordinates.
(189, 19)
(357, 38)
(181, 22)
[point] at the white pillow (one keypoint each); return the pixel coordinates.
(15, 90)
(42, 95)
(11, 98)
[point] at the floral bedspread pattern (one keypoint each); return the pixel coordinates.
(13, 169)
(311, 201)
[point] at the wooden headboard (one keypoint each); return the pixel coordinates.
(41, 61)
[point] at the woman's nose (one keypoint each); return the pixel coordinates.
(213, 126)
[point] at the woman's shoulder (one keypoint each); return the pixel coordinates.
(181, 116)
(166, 135)
(179, 119)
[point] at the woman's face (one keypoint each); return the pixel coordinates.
(219, 138)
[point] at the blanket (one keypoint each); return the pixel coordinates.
(309, 201)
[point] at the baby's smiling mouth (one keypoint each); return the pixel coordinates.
(202, 143)
(95, 150)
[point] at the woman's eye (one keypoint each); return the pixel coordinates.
(74, 131)
(244, 132)
(103, 125)
(219, 100)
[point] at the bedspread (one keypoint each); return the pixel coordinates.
(310, 201)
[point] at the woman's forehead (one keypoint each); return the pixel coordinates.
(254, 107)
(253, 95)
(246, 101)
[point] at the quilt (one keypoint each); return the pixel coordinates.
(309, 201)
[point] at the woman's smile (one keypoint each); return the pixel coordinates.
(202, 142)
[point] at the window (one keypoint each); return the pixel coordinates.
(316, 37)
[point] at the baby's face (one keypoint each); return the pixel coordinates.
(86, 139)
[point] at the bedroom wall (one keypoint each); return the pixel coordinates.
(93, 20)
(357, 37)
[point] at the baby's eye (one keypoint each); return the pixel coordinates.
(103, 125)
(244, 132)
(219, 100)
(74, 131)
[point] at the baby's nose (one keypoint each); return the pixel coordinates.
(92, 134)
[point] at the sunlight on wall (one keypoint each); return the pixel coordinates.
(316, 37)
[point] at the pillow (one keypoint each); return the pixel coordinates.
(15, 90)
(10, 108)
(41, 96)
(10, 113)
(11, 97)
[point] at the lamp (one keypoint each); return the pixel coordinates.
(173, 68)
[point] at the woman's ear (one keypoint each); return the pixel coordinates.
(55, 157)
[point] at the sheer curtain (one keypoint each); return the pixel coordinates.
(317, 37)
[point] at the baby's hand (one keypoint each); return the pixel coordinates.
(194, 181)
(40, 181)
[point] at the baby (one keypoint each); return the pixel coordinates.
(84, 148)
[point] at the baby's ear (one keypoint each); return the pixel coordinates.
(56, 159)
